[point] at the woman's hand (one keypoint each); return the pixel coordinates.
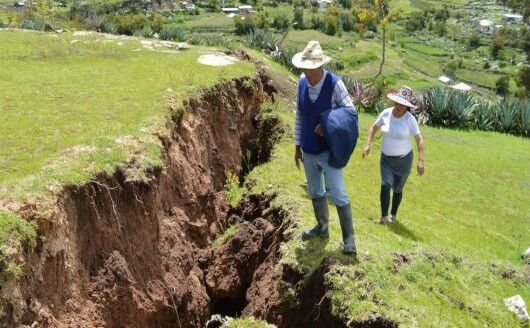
(421, 168)
(366, 151)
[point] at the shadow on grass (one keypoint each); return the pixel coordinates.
(399, 229)
(315, 251)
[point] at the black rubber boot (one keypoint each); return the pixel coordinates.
(320, 208)
(346, 224)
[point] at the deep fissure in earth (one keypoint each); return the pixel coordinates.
(115, 253)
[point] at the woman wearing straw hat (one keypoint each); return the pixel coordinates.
(318, 91)
(398, 125)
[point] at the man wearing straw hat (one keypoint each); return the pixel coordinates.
(318, 91)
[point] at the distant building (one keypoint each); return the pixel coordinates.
(20, 5)
(461, 86)
(486, 26)
(322, 4)
(445, 79)
(230, 10)
(513, 18)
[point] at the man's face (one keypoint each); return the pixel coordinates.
(313, 74)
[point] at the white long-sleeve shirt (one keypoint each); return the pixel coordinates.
(339, 98)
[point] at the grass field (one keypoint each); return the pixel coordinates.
(449, 261)
(461, 230)
(210, 22)
(88, 104)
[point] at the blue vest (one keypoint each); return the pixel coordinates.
(310, 112)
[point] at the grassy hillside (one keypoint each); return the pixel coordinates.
(453, 255)
(76, 105)
(73, 106)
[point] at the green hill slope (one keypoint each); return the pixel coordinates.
(454, 254)
(76, 105)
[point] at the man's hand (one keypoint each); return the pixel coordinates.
(421, 168)
(318, 131)
(366, 151)
(298, 157)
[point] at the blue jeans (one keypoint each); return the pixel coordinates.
(316, 170)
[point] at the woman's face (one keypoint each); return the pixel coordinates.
(399, 110)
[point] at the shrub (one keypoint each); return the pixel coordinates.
(157, 22)
(440, 28)
(497, 46)
(128, 24)
(29, 24)
(317, 22)
(284, 57)
(299, 18)
(261, 39)
(365, 97)
(462, 109)
(523, 79)
(502, 85)
(347, 21)
(243, 25)
(507, 116)
(146, 32)
(474, 41)
(416, 22)
(443, 106)
(486, 115)
(108, 27)
(174, 33)
(437, 105)
(281, 22)
(346, 4)
(332, 25)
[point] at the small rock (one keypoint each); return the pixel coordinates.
(526, 256)
(182, 46)
(517, 306)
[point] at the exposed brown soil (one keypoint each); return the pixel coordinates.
(115, 253)
(121, 254)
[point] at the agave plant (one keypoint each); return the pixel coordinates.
(261, 39)
(438, 104)
(507, 115)
(364, 96)
(463, 106)
(486, 115)
(524, 118)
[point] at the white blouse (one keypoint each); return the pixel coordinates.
(397, 132)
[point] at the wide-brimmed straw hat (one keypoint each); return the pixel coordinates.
(404, 96)
(312, 57)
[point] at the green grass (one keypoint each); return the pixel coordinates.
(426, 49)
(229, 232)
(209, 21)
(462, 227)
(478, 77)
(14, 232)
(299, 39)
(70, 110)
